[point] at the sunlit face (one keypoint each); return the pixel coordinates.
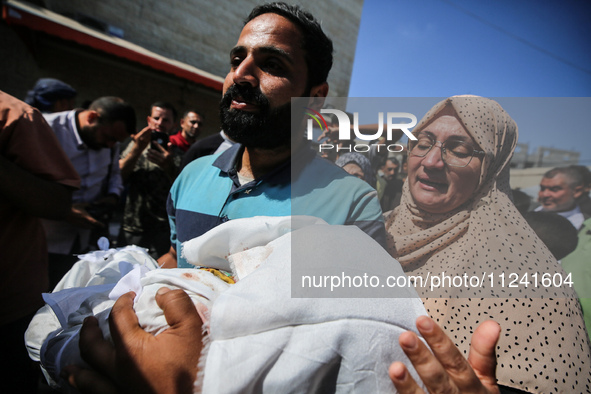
(556, 194)
(435, 186)
(191, 125)
(268, 57)
(161, 119)
(268, 68)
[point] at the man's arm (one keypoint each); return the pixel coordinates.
(169, 259)
(36, 196)
(140, 142)
(446, 370)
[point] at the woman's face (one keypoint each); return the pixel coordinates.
(435, 186)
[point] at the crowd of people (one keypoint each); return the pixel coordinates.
(445, 208)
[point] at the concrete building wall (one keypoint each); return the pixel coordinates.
(199, 33)
(94, 74)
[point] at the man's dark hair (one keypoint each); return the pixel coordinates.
(394, 160)
(187, 112)
(165, 105)
(113, 109)
(316, 45)
(584, 172)
(574, 176)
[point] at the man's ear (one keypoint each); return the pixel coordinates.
(578, 191)
(318, 93)
(92, 117)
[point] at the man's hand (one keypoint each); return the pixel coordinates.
(331, 133)
(140, 142)
(79, 217)
(138, 362)
(160, 156)
(446, 370)
(142, 139)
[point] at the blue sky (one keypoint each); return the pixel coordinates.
(500, 48)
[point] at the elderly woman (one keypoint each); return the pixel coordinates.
(456, 217)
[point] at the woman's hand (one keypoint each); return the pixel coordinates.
(446, 370)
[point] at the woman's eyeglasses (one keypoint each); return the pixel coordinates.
(454, 153)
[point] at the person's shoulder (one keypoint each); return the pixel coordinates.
(207, 145)
(13, 109)
(327, 171)
(209, 139)
(320, 163)
(14, 105)
(176, 138)
(199, 165)
(57, 118)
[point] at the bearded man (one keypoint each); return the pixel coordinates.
(90, 139)
(281, 53)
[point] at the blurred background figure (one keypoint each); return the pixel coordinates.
(90, 139)
(51, 95)
(389, 187)
(584, 201)
(560, 188)
(556, 231)
(216, 143)
(357, 165)
(578, 264)
(521, 200)
(148, 168)
(36, 181)
(191, 126)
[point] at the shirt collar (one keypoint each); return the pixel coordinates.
(72, 116)
(227, 160)
(572, 212)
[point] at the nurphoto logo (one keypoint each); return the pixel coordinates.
(348, 132)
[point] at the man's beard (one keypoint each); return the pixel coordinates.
(269, 128)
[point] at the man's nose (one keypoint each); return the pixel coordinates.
(245, 73)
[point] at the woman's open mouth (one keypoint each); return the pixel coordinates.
(430, 184)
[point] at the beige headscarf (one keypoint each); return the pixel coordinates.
(543, 346)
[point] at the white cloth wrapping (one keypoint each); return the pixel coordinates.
(260, 339)
(92, 286)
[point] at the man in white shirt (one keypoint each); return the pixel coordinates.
(90, 139)
(559, 190)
